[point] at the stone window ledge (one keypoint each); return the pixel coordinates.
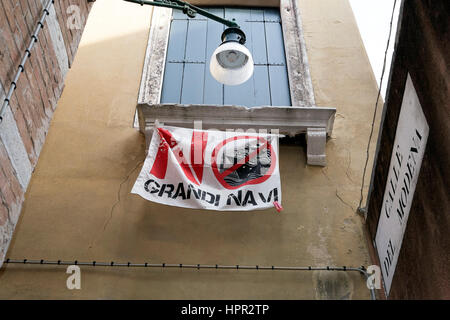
(316, 123)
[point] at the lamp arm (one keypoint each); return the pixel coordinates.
(187, 8)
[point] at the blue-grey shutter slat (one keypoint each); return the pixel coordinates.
(247, 28)
(171, 89)
(242, 17)
(275, 44)
(258, 38)
(196, 41)
(218, 12)
(241, 95)
(177, 41)
(279, 86)
(213, 33)
(178, 14)
(213, 91)
(272, 15)
(261, 86)
(257, 15)
(192, 91)
(239, 14)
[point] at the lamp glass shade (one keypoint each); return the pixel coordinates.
(231, 63)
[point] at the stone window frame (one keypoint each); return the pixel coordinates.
(301, 117)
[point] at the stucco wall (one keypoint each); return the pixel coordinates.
(79, 207)
(27, 118)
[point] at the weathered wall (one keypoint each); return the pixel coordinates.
(423, 51)
(27, 119)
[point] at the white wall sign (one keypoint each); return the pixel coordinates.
(407, 154)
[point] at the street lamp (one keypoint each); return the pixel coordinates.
(231, 63)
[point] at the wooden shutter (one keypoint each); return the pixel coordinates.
(187, 79)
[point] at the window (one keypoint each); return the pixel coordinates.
(187, 79)
(177, 88)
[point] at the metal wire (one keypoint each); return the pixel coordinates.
(360, 209)
(27, 54)
(361, 270)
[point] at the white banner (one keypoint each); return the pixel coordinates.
(406, 160)
(213, 170)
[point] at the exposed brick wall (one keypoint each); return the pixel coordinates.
(27, 119)
(11, 197)
(71, 36)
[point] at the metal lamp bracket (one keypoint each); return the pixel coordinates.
(187, 8)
